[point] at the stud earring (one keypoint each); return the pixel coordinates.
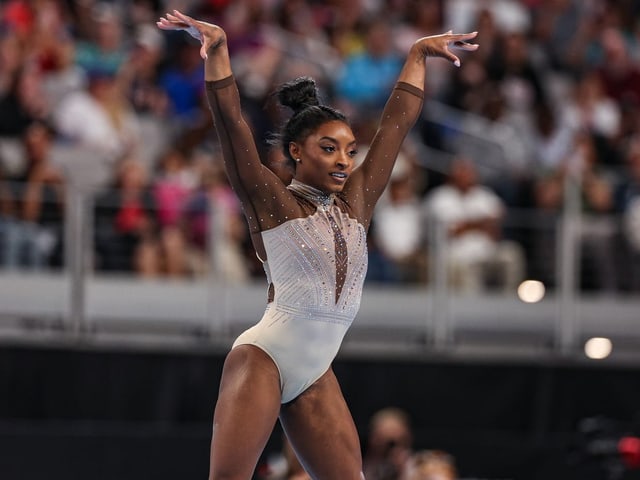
(297, 160)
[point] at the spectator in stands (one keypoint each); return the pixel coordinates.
(366, 77)
(472, 215)
(389, 445)
(23, 102)
(628, 203)
(469, 88)
(553, 137)
(343, 20)
(557, 28)
(99, 118)
(431, 465)
(595, 189)
(62, 76)
(305, 46)
(140, 74)
(33, 238)
(591, 109)
(172, 186)
(182, 80)
(103, 44)
(227, 241)
(518, 79)
(420, 19)
(125, 230)
(398, 231)
(11, 61)
(619, 71)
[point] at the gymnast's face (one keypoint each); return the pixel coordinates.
(325, 158)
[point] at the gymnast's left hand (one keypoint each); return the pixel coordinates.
(209, 35)
(441, 45)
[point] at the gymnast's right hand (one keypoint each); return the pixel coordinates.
(211, 36)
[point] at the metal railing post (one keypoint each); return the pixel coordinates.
(438, 327)
(75, 258)
(216, 293)
(568, 266)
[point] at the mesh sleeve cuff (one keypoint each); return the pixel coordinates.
(407, 87)
(218, 84)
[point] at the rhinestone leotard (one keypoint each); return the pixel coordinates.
(303, 327)
(314, 244)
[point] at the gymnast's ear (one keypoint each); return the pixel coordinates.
(294, 150)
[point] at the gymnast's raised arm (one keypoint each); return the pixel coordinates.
(403, 107)
(258, 188)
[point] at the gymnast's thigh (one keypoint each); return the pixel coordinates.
(246, 411)
(320, 428)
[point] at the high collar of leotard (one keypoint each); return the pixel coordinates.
(318, 197)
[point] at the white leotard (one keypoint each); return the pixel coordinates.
(303, 327)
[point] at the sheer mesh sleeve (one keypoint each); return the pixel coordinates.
(370, 179)
(265, 200)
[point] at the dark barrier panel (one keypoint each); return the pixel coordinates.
(67, 414)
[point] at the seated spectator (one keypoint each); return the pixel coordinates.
(34, 234)
(140, 74)
(305, 46)
(62, 76)
(103, 45)
(225, 242)
(512, 66)
(172, 186)
(125, 230)
(592, 111)
(618, 69)
(364, 82)
(596, 204)
(431, 465)
(183, 82)
(52, 49)
(420, 19)
(23, 102)
(472, 216)
(398, 231)
(99, 118)
(130, 236)
(389, 445)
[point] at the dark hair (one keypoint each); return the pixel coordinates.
(301, 95)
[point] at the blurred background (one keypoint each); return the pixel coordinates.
(499, 336)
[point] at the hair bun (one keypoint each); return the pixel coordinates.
(299, 94)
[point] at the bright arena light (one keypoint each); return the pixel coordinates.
(531, 291)
(598, 348)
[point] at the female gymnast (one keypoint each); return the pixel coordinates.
(311, 236)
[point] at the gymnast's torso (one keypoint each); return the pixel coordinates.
(316, 268)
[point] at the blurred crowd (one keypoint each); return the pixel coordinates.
(545, 116)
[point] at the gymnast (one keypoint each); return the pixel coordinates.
(311, 238)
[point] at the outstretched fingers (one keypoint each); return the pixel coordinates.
(179, 21)
(459, 42)
(166, 24)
